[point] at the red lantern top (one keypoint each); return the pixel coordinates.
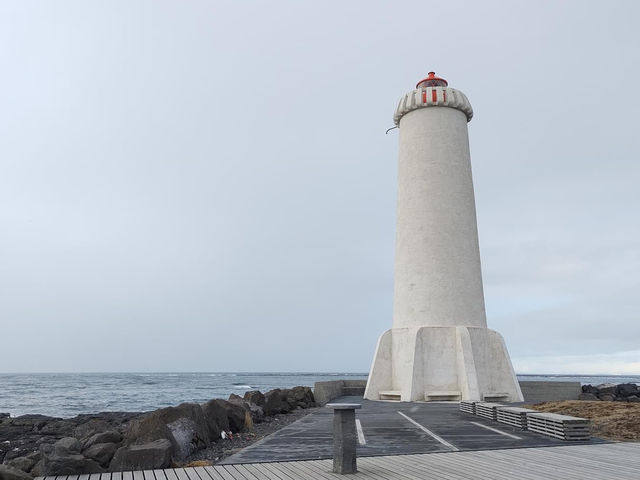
(432, 81)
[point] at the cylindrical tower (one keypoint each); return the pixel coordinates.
(439, 346)
(437, 264)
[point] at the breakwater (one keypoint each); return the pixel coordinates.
(35, 445)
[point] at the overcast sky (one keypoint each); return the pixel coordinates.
(207, 185)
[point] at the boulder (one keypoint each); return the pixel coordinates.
(303, 397)
(256, 412)
(235, 415)
(33, 421)
(101, 452)
(272, 402)
(45, 440)
(589, 389)
(184, 426)
(67, 445)
(68, 464)
(185, 433)
(256, 397)
(16, 452)
(145, 456)
(147, 429)
(64, 458)
(216, 419)
(110, 436)
(4, 415)
(606, 397)
(25, 463)
(298, 397)
(627, 389)
(237, 399)
(287, 403)
(59, 428)
(607, 388)
(10, 473)
(91, 427)
(38, 469)
(633, 399)
(587, 396)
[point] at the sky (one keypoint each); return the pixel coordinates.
(207, 185)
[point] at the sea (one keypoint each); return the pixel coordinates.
(66, 395)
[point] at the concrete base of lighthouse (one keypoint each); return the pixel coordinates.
(442, 363)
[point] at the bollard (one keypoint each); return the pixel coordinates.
(344, 437)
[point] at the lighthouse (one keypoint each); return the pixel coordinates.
(439, 346)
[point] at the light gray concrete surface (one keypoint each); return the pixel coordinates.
(439, 341)
(536, 392)
(344, 437)
(324, 392)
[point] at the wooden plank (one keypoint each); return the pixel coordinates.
(485, 469)
(258, 472)
(246, 472)
(563, 459)
(213, 473)
(529, 467)
(311, 468)
(232, 473)
(191, 473)
(319, 469)
(397, 469)
(138, 475)
(274, 472)
(402, 466)
(148, 475)
(181, 474)
(202, 473)
(444, 467)
(292, 470)
(116, 475)
(160, 475)
(243, 472)
(170, 474)
(127, 475)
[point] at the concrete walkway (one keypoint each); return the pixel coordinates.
(392, 428)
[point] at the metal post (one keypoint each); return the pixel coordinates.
(344, 437)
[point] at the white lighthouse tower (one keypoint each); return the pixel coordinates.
(439, 347)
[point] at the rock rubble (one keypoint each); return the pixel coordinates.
(36, 445)
(611, 392)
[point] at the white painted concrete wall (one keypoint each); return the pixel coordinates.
(437, 279)
(439, 341)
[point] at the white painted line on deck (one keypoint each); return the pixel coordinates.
(497, 431)
(430, 433)
(361, 439)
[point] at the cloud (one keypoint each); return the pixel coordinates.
(619, 363)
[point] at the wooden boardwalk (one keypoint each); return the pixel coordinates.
(613, 460)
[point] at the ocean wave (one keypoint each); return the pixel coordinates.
(70, 394)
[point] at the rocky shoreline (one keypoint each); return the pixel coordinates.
(611, 392)
(35, 445)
